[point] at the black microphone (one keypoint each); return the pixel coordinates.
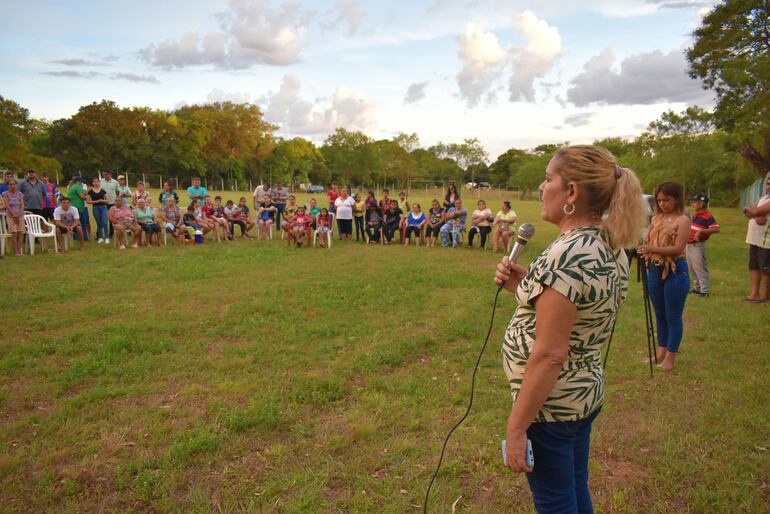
(526, 231)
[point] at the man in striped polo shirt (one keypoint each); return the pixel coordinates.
(702, 226)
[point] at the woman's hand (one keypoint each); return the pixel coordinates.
(644, 249)
(509, 274)
(516, 449)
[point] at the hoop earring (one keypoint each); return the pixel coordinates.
(565, 211)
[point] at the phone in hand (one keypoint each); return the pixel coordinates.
(530, 457)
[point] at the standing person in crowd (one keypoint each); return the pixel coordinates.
(125, 192)
(505, 222)
(196, 190)
(435, 222)
(279, 195)
(13, 203)
(168, 191)
(668, 279)
(454, 224)
(359, 209)
(385, 201)
(324, 227)
(392, 220)
(258, 197)
(344, 214)
(172, 220)
(124, 219)
(415, 221)
(67, 220)
(145, 217)
(406, 208)
(141, 193)
(77, 195)
(758, 238)
(110, 186)
(220, 225)
(568, 302)
(50, 200)
(97, 199)
(451, 196)
(702, 226)
(7, 176)
(265, 218)
(373, 224)
(333, 193)
(480, 221)
(370, 200)
(34, 192)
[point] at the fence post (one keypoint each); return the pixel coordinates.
(144, 180)
(160, 181)
(177, 182)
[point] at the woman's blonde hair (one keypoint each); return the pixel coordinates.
(614, 192)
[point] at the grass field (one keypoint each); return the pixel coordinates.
(250, 377)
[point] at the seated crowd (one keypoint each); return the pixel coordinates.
(119, 212)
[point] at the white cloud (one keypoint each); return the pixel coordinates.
(537, 57)
(646, 78)
(349, 12)
(483, 60)
(579, 119)
(252, 32)
(298, 116)
(415, 92)
(218, 96)
(133, 77)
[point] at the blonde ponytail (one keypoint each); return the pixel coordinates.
(614, 192)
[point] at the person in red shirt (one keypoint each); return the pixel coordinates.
(702, 226)
(333, 193)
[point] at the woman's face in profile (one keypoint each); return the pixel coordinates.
(554, 194)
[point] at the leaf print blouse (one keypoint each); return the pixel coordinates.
(593, 276)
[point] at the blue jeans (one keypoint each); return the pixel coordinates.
(559, 482)
(279, 207)
(449, 229)
(102, 223)
(668, 297)
(84, 222)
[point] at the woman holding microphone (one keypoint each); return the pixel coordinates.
(568, 302)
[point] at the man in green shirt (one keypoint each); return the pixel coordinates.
(77, 195)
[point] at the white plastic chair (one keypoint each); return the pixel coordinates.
(330, 234)
(4, 234)
(35, 224)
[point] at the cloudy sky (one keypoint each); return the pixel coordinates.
(513, 73)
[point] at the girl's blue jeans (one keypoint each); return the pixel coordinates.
(668, 297)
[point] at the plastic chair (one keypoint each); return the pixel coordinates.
(35, 224)
(4, 234)
(330, 234)
(478, 233)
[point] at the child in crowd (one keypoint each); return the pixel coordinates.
(702, 226)
(373, 223)
(299, 227)
(359, 209)
(324, 227)
(190, 223)
(265, 218)
(13, 202)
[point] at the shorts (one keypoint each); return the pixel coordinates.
(432, 231)
(16, 224)
(759, 259)
(48, 213)
(39, 212)
(170, 226)
(324, 230)
(345, 226)
(64, 230)
(150, 228)
(412, 229)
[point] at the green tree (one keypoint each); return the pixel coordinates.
(19, 134)
(349, 156)
(297, 160)
(731, 54)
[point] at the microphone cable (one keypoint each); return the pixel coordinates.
(470, 403)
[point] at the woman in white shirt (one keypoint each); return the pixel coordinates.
(344, 206)
(481, 219)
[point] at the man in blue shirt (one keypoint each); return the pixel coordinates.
(197, 191)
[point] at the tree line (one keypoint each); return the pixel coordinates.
(715, 152)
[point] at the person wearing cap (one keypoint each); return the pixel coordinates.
(110, 186)
(77, 195)
(124, 191)
(34, 191)
(702, 226)
(758, 238)
(51, 199)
